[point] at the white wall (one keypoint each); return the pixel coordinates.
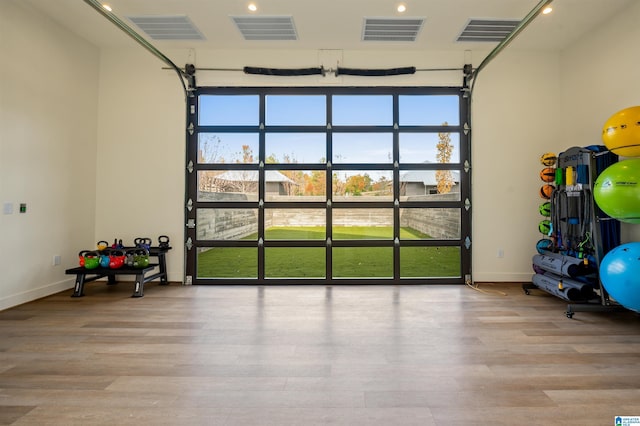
(48, 111)
(516, 118)
(141, 152)
(600, 77)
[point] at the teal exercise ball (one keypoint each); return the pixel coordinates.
(620, 275)
(617, 191)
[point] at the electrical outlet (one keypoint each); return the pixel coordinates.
(57, 260)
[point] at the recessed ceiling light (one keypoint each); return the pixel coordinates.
(252, 7)
(107, 7)
(402, 8)
(547, 10)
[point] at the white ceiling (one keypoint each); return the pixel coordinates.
(337, 24)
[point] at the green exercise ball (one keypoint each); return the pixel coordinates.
(617, 191)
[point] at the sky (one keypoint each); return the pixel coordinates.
(311, 110)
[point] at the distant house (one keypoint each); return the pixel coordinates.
(424, 182)
(247, 181)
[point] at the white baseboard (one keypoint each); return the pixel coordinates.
(497, 277)
(36, 293)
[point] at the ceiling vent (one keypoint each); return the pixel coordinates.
(266, 27)
(487, 30)
(177, 27)
(391, 29)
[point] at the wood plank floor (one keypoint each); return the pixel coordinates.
(315, 355)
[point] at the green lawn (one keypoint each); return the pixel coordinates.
(339, 233)
(309, 262)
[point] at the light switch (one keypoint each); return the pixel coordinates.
(7, 208)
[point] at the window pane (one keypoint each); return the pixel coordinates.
(424, 224)
(229, 110)
(429, 262)
(287, 148)
(362, 110)
(227, 262)
(362, 185)
(363, 148)
(227, 224)
(296, 110)
(294, 262)
(295, 185)
(295, 224)
(430, 185)
(362, 224)
(430, 147)
(230, 185)
(362, 262)
(217, 148)
(434, 110)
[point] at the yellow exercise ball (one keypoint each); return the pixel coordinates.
(621, 132)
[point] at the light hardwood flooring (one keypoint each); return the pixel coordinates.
(315, 355)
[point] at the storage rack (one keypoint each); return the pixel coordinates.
(598, 232)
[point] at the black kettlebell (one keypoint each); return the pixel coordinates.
(163, 242)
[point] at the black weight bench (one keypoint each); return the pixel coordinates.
(84, 275)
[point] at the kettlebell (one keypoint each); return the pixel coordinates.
(143, 242)
(140, 258)
(129, 257)
(81, 257)
(163, 242)
(116, 259)
(102, 245)
(91, 259)
(105, 258)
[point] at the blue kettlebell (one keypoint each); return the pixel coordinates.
(105, 258)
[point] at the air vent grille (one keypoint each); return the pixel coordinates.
(177, 27)
(266, 27)
(391, 29)
(487, 30)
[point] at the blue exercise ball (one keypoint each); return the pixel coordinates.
(620, 275)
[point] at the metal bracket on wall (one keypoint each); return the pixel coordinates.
(191, 223)
(190, 166)
(190, 204)
(189, 243)
(191, 129)
(467, 204)
(467, 243)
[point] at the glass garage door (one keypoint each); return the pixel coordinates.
(317, 185)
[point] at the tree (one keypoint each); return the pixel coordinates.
(209, 148)
(246, 155)
(357, 184)
(444, 178)
(315, 183)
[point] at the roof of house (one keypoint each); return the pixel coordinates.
(426, 177)
(252, 175)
